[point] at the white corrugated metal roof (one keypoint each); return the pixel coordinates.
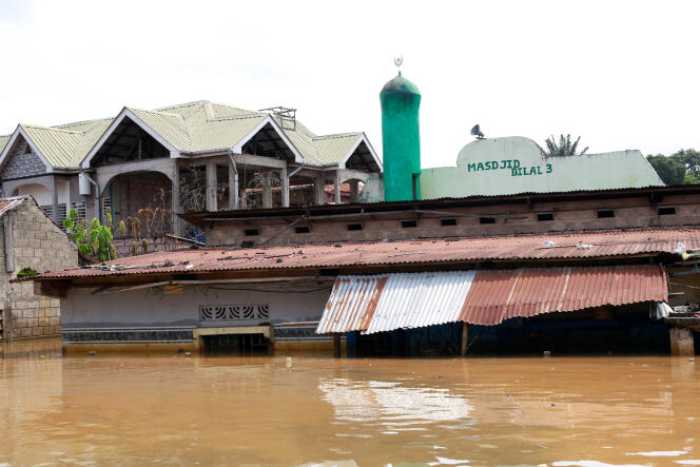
(192, 127)
(395, 301)
(422, 299)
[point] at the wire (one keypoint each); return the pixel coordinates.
(238, 289)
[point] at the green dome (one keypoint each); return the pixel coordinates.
(400, 85)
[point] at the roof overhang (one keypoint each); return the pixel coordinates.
(363, 139)
(19, 131)
(126, 113)
(268, 120)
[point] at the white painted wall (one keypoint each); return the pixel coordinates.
(153, 308)
(43, 196)
(475, 173)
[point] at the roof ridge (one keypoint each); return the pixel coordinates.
(50, 128)
(338, 135)
(158, 112)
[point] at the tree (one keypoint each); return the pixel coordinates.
(681, 167)
(564, 147)
(94, 240)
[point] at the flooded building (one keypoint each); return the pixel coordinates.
(598, 274)
(30, 243)
(145, 167)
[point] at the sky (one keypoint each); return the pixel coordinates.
(621, 74)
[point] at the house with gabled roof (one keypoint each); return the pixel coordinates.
(195, 156)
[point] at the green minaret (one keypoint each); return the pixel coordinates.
(401, 139)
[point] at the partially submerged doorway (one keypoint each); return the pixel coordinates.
(245, 340)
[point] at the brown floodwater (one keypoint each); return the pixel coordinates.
(196, 410)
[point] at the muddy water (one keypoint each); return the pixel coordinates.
(179, 410)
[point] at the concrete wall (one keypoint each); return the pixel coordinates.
(501, 166)
(300, 301)
(509, 219)
(38, 243)
(156, 317)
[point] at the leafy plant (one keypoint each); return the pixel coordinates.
(95, 240)
(562, 148)
(26, 272)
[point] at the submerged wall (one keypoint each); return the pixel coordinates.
(502, 166)
(154, 315)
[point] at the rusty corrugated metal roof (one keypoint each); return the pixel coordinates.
(351, 304)
(8, 204)
(488, 297)
(538, 247)
(497, 296)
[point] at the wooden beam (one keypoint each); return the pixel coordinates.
(336, 346)
(465, 340)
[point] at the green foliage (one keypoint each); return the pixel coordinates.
(26, 272)
(564, 147)
(681, 167)
(94, 240)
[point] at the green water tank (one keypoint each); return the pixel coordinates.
(401, 139)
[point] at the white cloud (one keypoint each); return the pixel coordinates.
(621, 74)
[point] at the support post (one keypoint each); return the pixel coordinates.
(285, 187)
(54, 201)
(682, 342)
(319, 191)
(337, 198)
(175, 199)
(464, 347)
(211, 187)
(233, 194)
(336, 345)
(267, 191)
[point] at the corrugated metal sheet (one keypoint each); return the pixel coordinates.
(351, 304)
(500, 295)
(422, 299)
(539, 247)
(404, 301)
(8, 204)
(191, 127)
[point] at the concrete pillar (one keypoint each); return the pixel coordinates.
(267, 190)
(319, 191)
(682, 342)
(54, 200)
(233, 195)
(337, 185)
(211, 187)
(285, 187)
(175, 199)
(354, 190)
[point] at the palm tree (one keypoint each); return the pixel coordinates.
(563, 148)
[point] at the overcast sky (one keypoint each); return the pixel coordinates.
(622, 74)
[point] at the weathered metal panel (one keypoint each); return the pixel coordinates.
(422, 299)
(500, 295)
(351, 304)
(587, 245)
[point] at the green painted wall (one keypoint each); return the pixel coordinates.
(400, 101)
(503, 166)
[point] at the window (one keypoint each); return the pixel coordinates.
(302, 230)
(251, 232)
(448, 222)
(605, 213)
(353, 227)
(247, 244)
(487, 220)
(408, 224)
(666, 211)
(545, 216)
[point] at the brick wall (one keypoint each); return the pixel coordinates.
(39, 244)
(22, 162)
(465, 221)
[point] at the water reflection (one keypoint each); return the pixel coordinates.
(173, 409)
(391, 403)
